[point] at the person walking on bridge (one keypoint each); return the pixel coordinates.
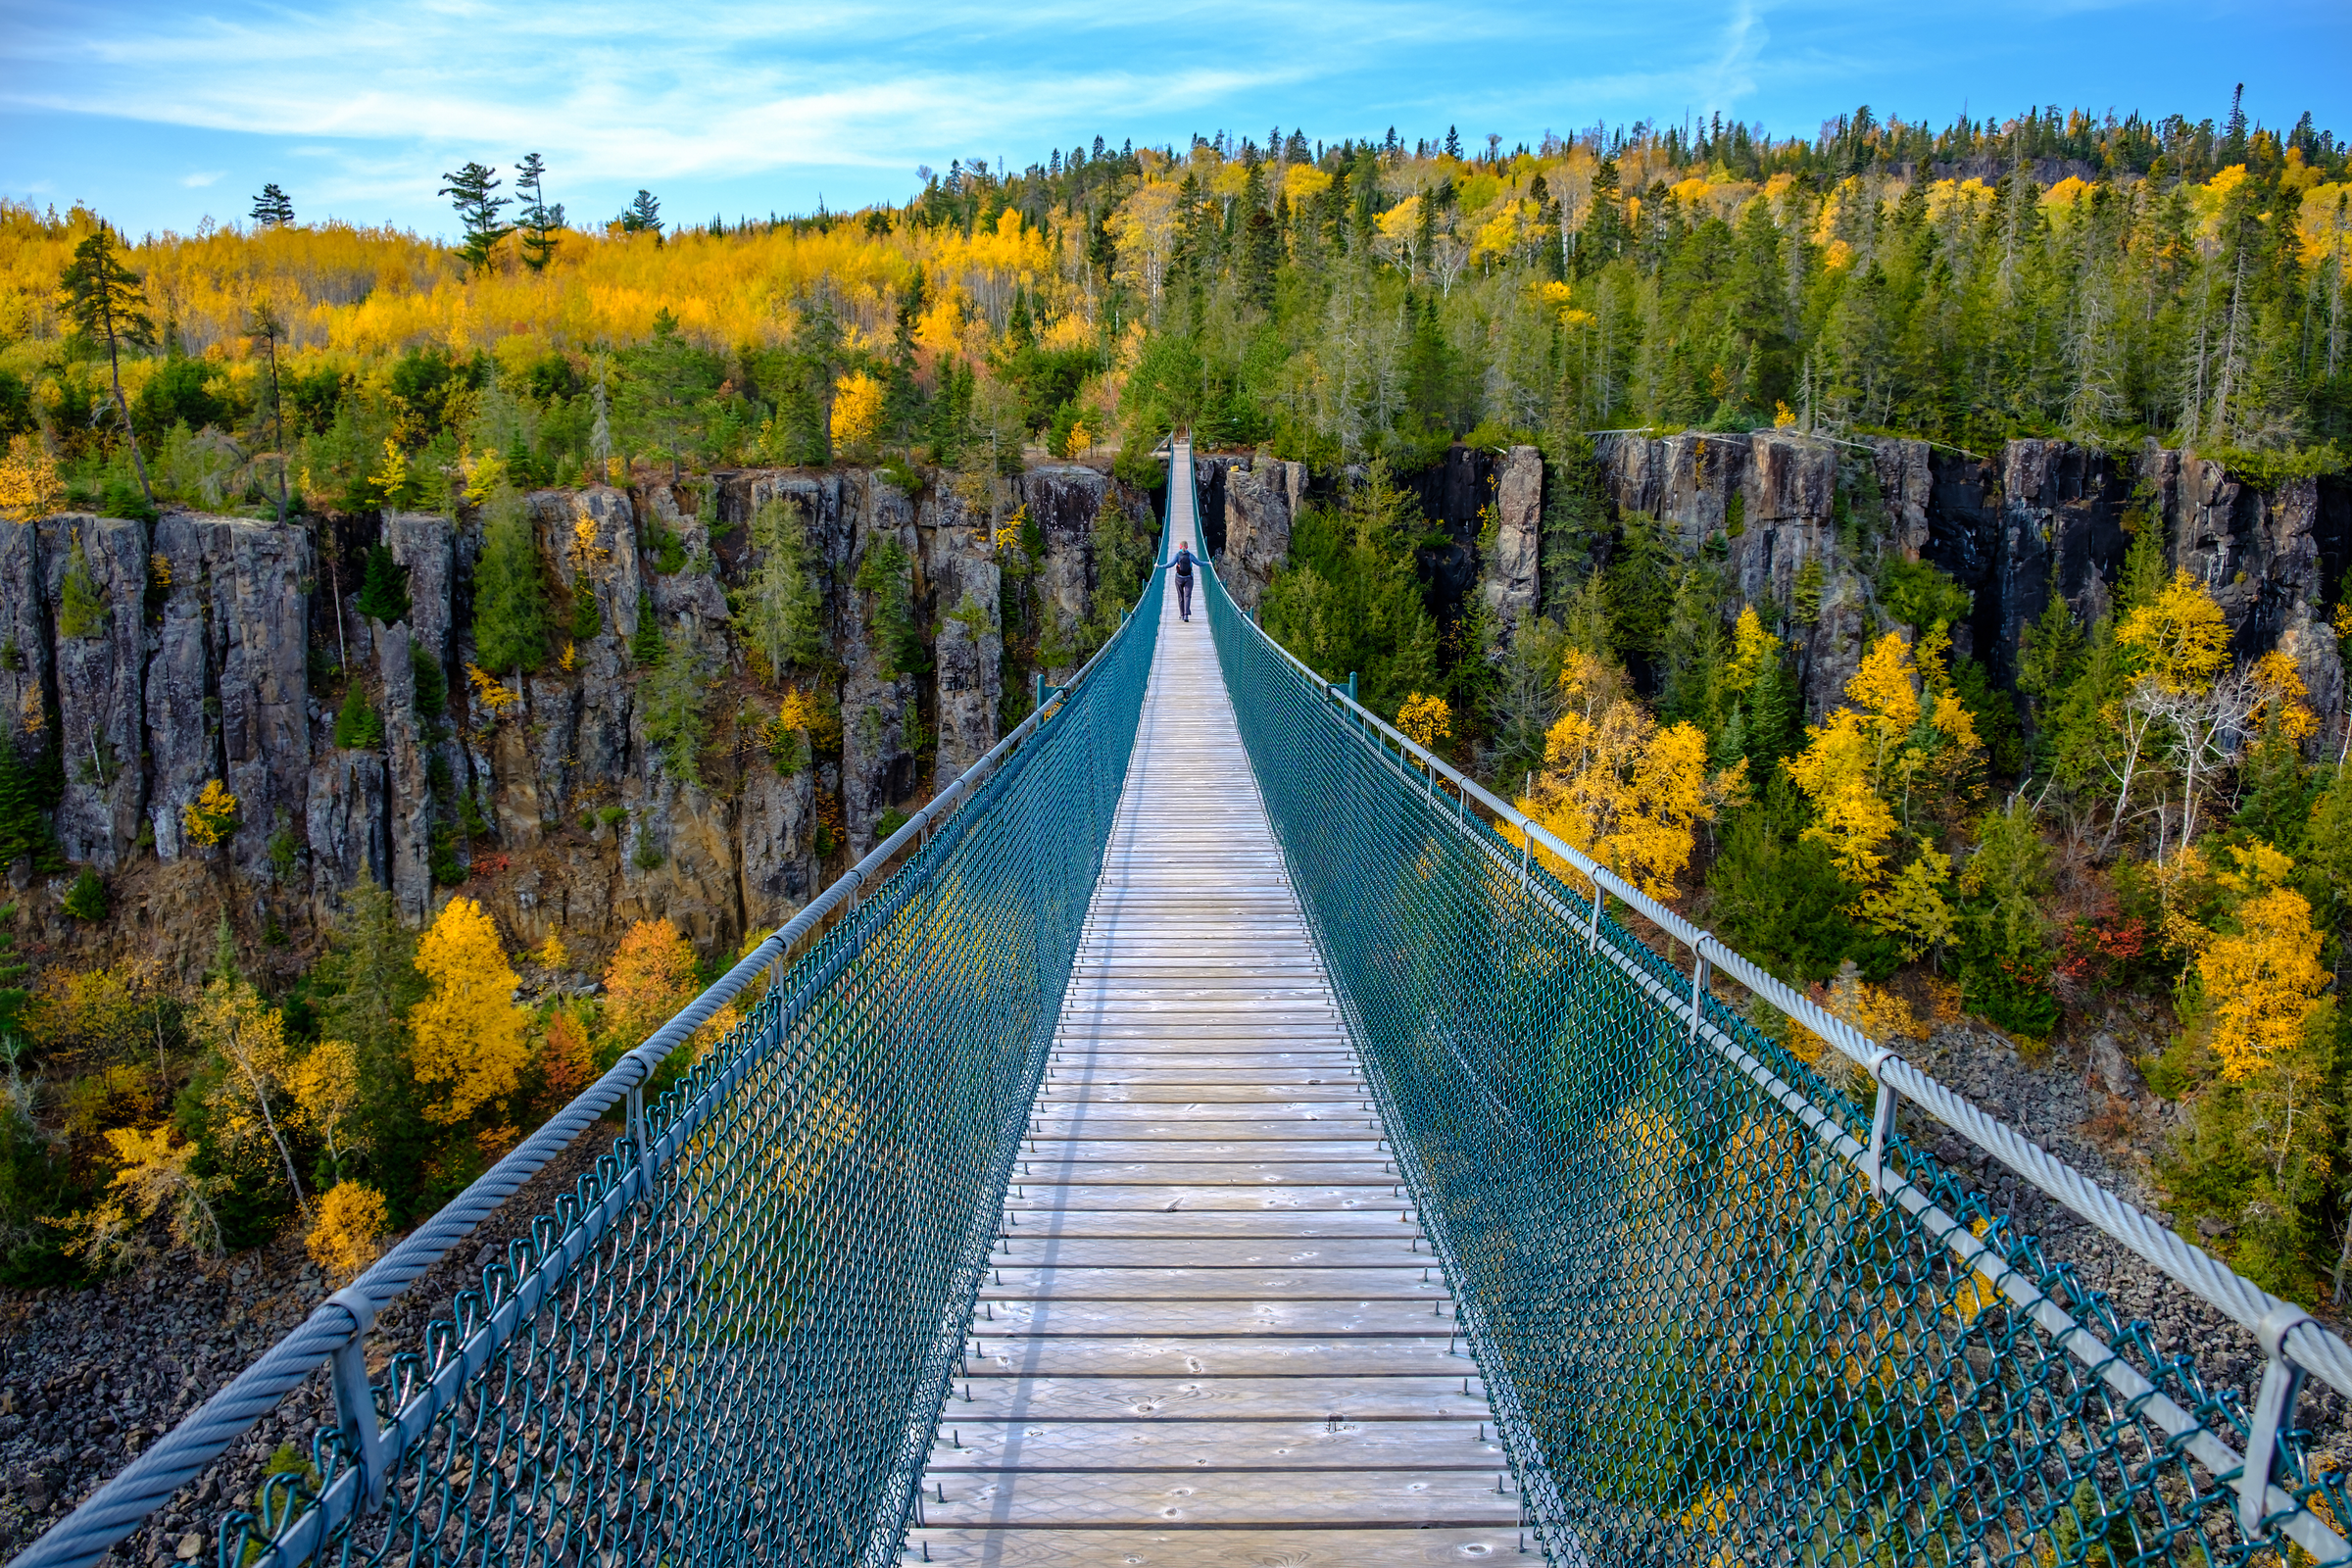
(1184, 580)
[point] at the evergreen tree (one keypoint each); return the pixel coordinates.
(643, 215)
(540, 221)
(273, 209)
(384, 590)
(469, 190)
(106, 302)
(510, 591)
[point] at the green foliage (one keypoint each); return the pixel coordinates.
(87, 900)
(1921, 596)
(586, 619)
(80, 611)
(1122, 558)
(1349, 600)
(358, 726)
(1777, 896)
(674, 698)
(1804, 602)
(471, 191)
(780, 606)
(645, 643)
(888, 574)
(30, 789)
(384, 591)
(2004, 944)
(510, 590)
(668, 393)
(431, 683)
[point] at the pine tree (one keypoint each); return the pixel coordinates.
(540, 221)
(105, 301)
(273, 209)
(470, 191)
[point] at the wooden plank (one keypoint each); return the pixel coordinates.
(1386, 1397)
(1249, 1319)
(1424, 1354)
(1230, 1498)
(1401, 1283)
(1035, 1247)
(1376, 1195)
(1261, 1547)
(1309, 1446)
(1329, 1224)
(1211, 1173)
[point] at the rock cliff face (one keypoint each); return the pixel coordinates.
(199, 648)
(2043, 515)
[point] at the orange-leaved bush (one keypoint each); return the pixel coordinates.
(652, 976)
(467, 1036)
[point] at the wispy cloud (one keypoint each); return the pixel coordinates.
(198, 181)
(748, 99)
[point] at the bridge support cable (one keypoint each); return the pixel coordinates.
(729, 1342)
(1727, 1308)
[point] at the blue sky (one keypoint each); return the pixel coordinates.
(161, 111)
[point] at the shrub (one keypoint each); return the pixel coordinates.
(86, 900)
(349, 1230)
(212, 816)
(357, 728)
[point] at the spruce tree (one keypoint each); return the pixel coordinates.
(510, 592)
(384, 591)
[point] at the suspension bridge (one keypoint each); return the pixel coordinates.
(1213, 1131)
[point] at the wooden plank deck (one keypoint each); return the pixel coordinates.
(1214, 1337)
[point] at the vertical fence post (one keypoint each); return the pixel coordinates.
(355, 1402)
(2273, 1413)
(1698, 982)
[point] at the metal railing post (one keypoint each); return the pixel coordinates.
(356, 1415)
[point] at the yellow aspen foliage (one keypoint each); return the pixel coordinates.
(2262, 982)
(327, 1095)
(29, 486)
(1427, 719)
(209, 817)
(348, 1234)
(1782, 417)
(154, 1172)
(1619, 787)
(392, 474)
(2180, 638)
(552, 953)
(652, 976)
(467, 1036)
(1912, 907)
(1862, 769)
(1753, 650)
(1880, 1014)
(2280, 697)
(856, 411)
(483, 474)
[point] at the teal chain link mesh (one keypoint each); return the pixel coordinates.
(734, 1349)
(1707, 1340)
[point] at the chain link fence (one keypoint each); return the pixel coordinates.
(1728, 1313)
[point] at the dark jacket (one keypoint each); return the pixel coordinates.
(1183, 562)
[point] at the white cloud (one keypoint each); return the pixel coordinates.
(198, 181)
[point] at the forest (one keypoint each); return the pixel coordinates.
(2124, 806)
